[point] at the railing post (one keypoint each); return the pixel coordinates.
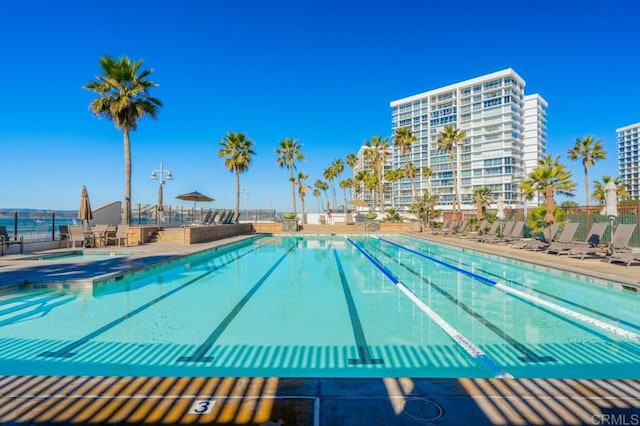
(15, 226)
(53, 226)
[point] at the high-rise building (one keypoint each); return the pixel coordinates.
(505, 136)
(628, 165)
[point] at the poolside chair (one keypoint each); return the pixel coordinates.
(207, 218)
(620, 240)
(76, 235)
(6, 242)
(63, 230)
(593, 239)
(322, 219)
(456, 228)
(348, 219)
(620, 250)
(516, 233)
(234, 218)
(498, 236)
(122, 233)
(475, 233)
(533, 244)
(492, 231)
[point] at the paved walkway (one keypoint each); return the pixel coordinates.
(272, 400)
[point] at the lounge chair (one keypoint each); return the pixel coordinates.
(207, 218)
(492, 231)
(122, 233)
(620, 240)
(593, 239)
(516, 233)
(534, 244)
(322, 219)
(498, 236)
(456, 228)
(620, 250)
(5, 241)
(234, 219)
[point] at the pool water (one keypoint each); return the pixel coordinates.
(328, 307)
(77, 256)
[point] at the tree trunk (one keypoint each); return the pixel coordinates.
(126, 218)
(455, 187)
(586, 190)
(293, 190)
(380, 188)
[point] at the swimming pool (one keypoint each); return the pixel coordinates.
(77, 255)
(328, 306)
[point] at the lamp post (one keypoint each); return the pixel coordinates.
(164, 175)
(245, 191)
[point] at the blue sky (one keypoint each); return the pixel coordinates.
(322, 72)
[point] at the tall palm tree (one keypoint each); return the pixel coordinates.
(318, 196)
(330, 174)
(391, 176)
(427, 173)
(237, 153)
(550, 171)
(448, 141)
(598, 194)
(376, 153)
(123, 97)
(338, 168)
(345, 184)
(410, 172)
(589, 151)
(322, 186)
(424, 207)
(288, 153)
(302, 191)
(403, 139)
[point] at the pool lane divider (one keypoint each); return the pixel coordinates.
(475, 352)
(445, 264)
(619, 331)
(67, 351)
(201, 352)
(358, 332)
(528, 355)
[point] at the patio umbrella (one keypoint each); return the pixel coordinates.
(500, 206)
(84, 212)
(549, 203)
(195, 196)
(358, 203)
(479, 214)
(610, 203)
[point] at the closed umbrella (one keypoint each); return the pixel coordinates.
(479, 214)
(610, 203)
(500, 206)
(84, 212)
(550, 205)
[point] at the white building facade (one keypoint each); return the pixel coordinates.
(628, 165)
(505, 136)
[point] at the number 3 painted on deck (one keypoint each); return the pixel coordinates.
(203, 406)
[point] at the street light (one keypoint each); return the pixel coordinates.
(164, 175)
(245, 191)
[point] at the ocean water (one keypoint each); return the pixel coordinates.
(37, 228)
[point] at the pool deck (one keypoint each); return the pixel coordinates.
(272, 400)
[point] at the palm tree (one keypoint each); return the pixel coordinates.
(427, 173)
(424, 207)
(288, 153)
(237, 153)
(346, 184)
(123, 97)
(410, 172)
(318, 196)
(330, 174)
(448, 141)
(391, 176)
(403, 139)
(589, 151)
(377, 151)
(338, 168)
(598, 189)
(550, 171)
(302, 190)
(322, 186)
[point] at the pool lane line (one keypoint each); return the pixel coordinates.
(475, 352)
(445, 264)
(67, 351)
(358, 332)
(527, 354)
(560, 299)
(200, 353)
(554, 307)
